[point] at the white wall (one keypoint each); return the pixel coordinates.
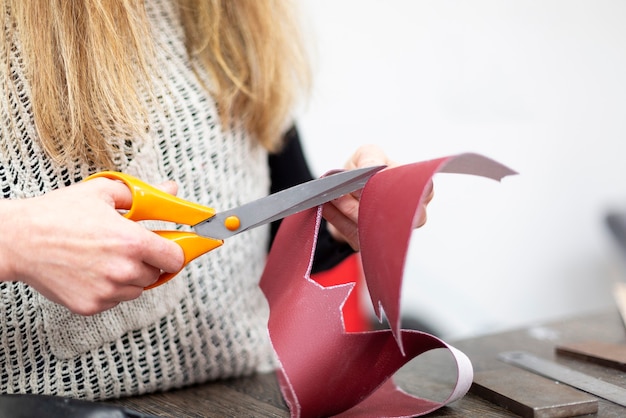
(539, 85)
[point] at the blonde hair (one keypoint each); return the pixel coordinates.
(83, 59)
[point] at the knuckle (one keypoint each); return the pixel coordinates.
(132, 244)
(87, 307)
(123, 272)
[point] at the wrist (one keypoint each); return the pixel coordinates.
(11, 216)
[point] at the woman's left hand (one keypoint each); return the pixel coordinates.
(342, 213)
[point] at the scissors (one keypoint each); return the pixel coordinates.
(211, 228)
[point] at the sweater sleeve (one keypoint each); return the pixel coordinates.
(288, 168)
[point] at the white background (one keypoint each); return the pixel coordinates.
(538, 85)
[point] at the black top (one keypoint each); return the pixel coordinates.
(288, 168)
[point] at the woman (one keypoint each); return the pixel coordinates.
(192, 95)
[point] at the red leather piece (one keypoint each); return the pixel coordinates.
(355, 315)
(324, 370)
(389, 203)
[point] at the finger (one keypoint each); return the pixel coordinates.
(341, 227)
(124, 285)
(367, 156)
(120, 196)
(142, 253)
(114, 192)
(169, 186)
(356, 195)
(431, 193)
(125, 294)
(133, 280)
(420, 217)
(162, 254)
(85, 306)
(93, 310)
(348, 205)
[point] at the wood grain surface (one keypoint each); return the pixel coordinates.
(430, 375)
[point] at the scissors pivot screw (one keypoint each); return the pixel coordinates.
(232, 223)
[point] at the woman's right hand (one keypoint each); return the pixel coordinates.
(74, 247)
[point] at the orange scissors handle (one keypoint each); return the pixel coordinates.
(193, 246)
(150, 203)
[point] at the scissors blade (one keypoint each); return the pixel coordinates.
(286, 202)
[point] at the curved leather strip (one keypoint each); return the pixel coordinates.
(388, 207)
(391, 401)
(324, 370)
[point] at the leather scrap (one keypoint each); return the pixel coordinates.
(389, 203)
(324, 370)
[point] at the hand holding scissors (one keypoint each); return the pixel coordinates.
(211, 228)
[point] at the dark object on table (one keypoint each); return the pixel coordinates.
(37, 406)
(529, 395)
(598, 352)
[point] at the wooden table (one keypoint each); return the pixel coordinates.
(430, 375)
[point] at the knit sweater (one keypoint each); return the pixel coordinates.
(211, 320)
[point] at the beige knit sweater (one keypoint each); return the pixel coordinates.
(211, 320)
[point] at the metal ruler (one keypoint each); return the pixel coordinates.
(566, 375)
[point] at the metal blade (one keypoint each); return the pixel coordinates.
(566, 375)
(286, 202)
